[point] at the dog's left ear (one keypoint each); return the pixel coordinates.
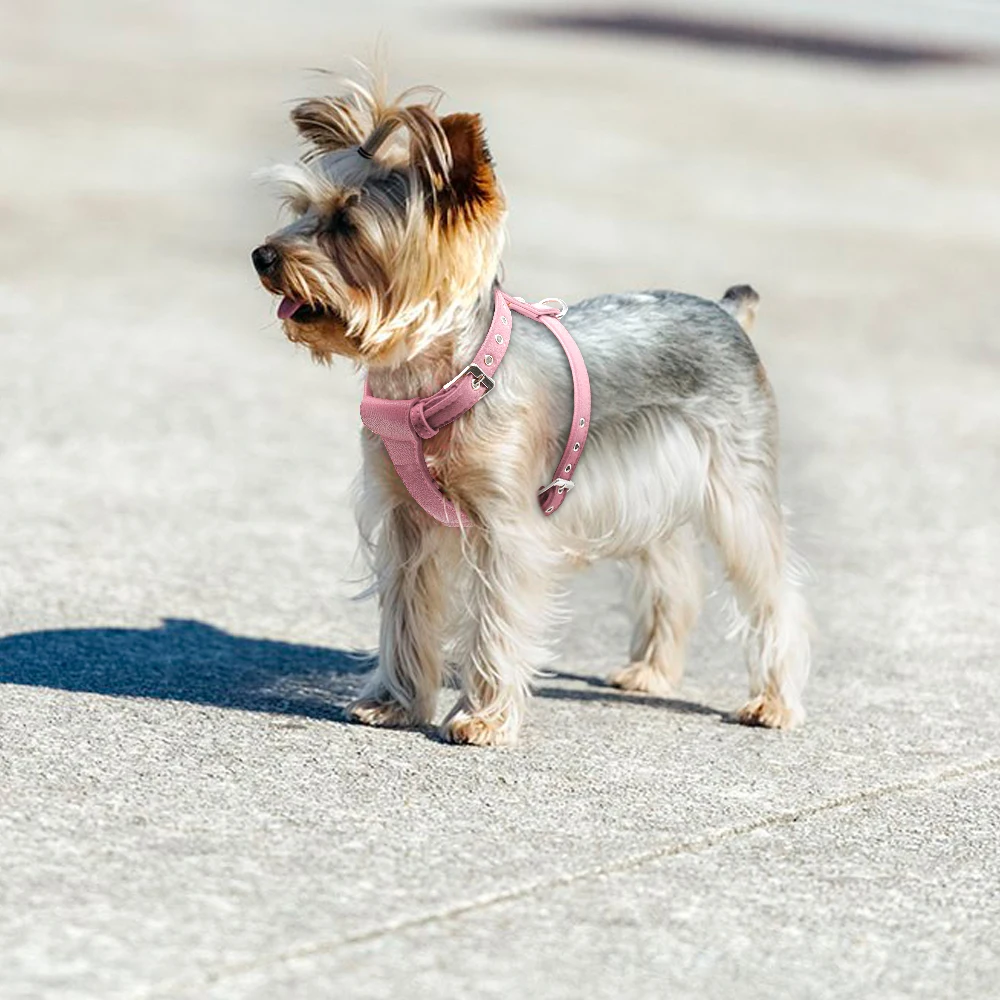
(328, 123)
(471, 182)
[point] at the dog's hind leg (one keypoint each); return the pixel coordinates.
(743, 514)
(666, 597)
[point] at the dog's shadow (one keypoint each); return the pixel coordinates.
(185, 660)
(597, 689)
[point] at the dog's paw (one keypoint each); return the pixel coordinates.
(769, 711)
(478, 730)
(389, 714)
(641, 676)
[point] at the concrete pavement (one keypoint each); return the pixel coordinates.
(184, 812)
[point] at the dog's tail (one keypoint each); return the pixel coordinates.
(740, 302)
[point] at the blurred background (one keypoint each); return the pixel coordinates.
(165, 454)
(840, 157)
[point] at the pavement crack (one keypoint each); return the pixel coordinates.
(704, 841)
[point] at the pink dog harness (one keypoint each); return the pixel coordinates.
(404, 424)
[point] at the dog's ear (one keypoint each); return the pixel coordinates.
(328, 123)
(471, 183)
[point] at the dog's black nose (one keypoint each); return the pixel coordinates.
(264, 258)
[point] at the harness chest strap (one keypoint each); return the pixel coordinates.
(404, 424)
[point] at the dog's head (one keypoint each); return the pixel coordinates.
(398, 226)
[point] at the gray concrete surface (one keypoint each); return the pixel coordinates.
(184, 812)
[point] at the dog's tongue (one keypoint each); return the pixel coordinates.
(288, 307)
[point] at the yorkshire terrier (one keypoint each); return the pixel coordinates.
(391, 260)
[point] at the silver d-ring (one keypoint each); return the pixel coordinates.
(563, 308)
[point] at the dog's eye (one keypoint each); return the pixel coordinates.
(339, 224)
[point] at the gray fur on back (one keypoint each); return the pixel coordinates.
(657, 349)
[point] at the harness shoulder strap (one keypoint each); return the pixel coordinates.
(551, 496)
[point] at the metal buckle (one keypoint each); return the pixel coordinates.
(479, 378)
(564, 486)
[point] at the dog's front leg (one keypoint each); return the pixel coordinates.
(402, 691)
(500, 644)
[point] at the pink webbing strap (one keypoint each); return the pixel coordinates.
(552, 495)
(404, 424)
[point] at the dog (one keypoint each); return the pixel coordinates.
(391, 260)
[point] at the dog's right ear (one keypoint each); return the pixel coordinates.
(328, 123)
